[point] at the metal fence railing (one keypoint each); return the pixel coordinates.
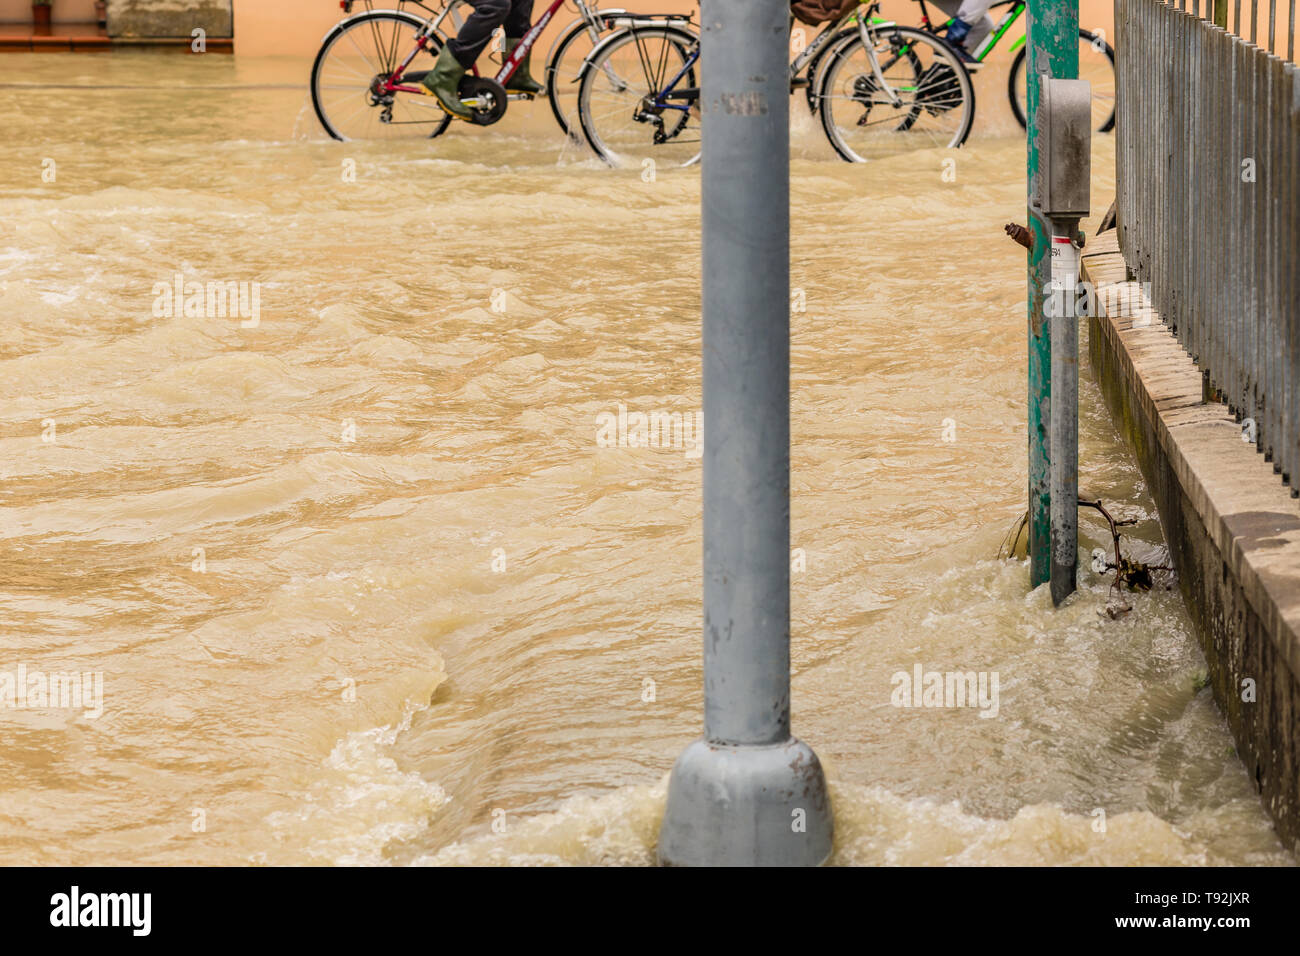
(1208, 205)
(1260, 23)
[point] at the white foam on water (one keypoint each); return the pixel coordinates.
(873, 828)
(361, 803)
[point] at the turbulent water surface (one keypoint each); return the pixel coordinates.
(363, 584)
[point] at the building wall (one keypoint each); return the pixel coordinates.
(170, 18)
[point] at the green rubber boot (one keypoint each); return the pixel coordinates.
(522, 81)
(442, 82)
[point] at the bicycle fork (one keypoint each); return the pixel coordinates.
(868, 44)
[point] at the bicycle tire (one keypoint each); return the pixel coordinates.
(437, 127)
(1018, 66)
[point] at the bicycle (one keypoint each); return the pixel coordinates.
(1096, 63)
(366, 75)
(911, 80)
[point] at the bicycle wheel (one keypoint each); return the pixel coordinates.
(357, 55)
(564, 71)
(1096, 65)
(617, 97)
(926, 99)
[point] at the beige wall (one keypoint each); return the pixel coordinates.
(295, 27)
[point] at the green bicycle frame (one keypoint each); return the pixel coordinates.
(999, 31)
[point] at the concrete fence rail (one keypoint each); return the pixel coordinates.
(1208, 205)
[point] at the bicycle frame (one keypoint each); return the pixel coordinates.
(992, 40)
(393, 82)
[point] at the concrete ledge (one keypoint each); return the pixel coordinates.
(1232, 528)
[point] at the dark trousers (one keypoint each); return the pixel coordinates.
(515, 15)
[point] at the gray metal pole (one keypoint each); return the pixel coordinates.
(1061, 194)
(1064, 464)
(747, 792)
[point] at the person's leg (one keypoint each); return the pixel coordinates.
(976, 13)
(516, 25)
(461, 51)
(519, 19)
(971, 23)
(474, 35)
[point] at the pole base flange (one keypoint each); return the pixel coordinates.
(746, 806)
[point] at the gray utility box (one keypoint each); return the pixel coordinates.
(1064, 148)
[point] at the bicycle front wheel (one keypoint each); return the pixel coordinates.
(907, 91)
(356, 57)
(1096, 65)
(638, 99)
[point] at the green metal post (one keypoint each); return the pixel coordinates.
(1221, 13)
(1053, 49)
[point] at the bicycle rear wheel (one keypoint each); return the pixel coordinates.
(922, 97)
(618, 97)
(1096, 65)
(358, 54)
(564, 72)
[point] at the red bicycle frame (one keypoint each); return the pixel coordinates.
(393, 84)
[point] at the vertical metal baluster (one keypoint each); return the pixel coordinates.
(1253, 352)
(1196, 176)
(1247, 259)
(1268, 393)
(1256, 358)
(1188, 92)
(1220, 177)
(1240, 305)
(1291, 273)
(1232, 384)
(1170, 120)
(1224, 71)
(1275, 238)
(1199, 102)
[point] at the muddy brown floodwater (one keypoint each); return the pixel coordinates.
(364, 585)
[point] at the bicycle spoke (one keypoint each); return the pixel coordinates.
(353, 40)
